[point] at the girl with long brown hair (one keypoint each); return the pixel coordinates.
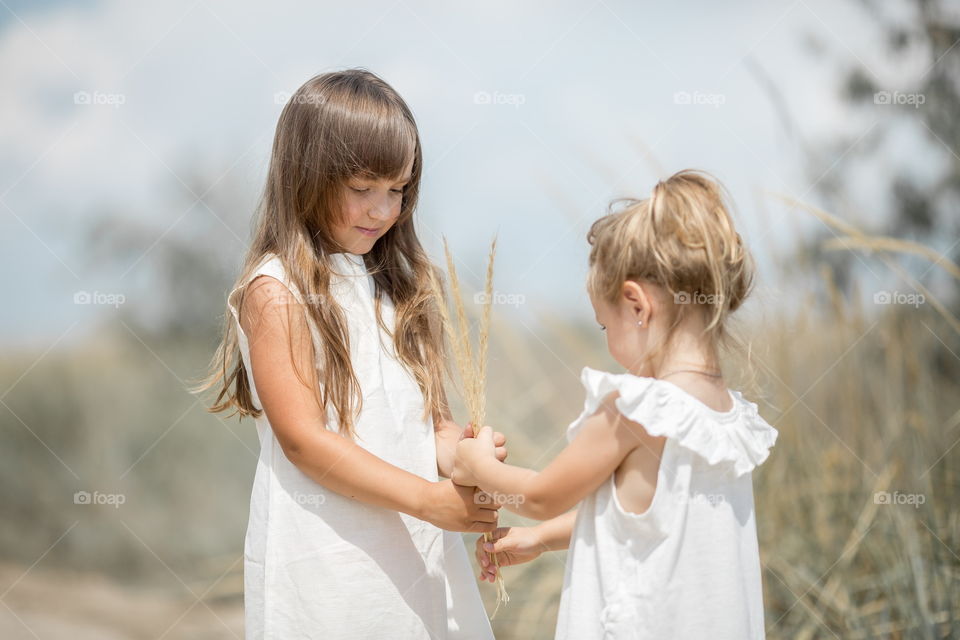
(333, 345)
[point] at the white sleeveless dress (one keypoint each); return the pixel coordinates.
(320, 565)
(689, 566)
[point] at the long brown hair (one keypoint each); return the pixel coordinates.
(338, 125)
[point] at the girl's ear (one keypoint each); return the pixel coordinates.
(638, 301)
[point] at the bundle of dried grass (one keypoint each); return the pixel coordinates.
(472, 370)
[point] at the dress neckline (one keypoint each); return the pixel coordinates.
(723, 415)
(350, 264)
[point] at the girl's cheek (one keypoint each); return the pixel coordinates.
(352, 216)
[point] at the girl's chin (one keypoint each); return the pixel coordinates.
(360, 246)
(356, 242)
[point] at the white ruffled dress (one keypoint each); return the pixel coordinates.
(688, 566)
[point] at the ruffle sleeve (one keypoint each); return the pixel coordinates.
(739, 437)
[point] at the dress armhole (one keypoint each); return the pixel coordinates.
(653, 524)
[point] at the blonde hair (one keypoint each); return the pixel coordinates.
(336, 126)
(681, 238)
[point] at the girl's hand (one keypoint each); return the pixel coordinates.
(499, 441)
(512, 545)
(457, 508)
(471, 452)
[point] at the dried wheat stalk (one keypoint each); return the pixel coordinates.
(472, 371)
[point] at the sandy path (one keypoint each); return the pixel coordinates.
(44, 605)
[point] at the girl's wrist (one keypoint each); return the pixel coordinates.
(484, 467)
(539, 534)
(547, 538)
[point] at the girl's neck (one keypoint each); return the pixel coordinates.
(691, 363)
(688, 352)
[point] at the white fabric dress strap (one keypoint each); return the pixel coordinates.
(270, 265)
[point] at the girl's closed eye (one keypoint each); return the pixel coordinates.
(393, 192)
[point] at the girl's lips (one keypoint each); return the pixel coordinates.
(368, 232)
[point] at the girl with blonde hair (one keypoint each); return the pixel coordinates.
(663, 542)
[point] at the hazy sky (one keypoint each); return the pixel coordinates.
(533, 116)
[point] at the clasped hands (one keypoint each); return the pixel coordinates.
(474, 449)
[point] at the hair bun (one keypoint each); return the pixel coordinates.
(683, 238)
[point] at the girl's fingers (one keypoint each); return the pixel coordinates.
(500, 532)
(488, 573)
(498, 546)
(482, 497)
(488, 515)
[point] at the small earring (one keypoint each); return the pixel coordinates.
(640, 323)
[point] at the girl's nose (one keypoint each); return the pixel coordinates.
(381, 209)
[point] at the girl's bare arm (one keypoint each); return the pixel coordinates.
(299, 423)
(600, 446)
(447, 433)
(554, 534)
